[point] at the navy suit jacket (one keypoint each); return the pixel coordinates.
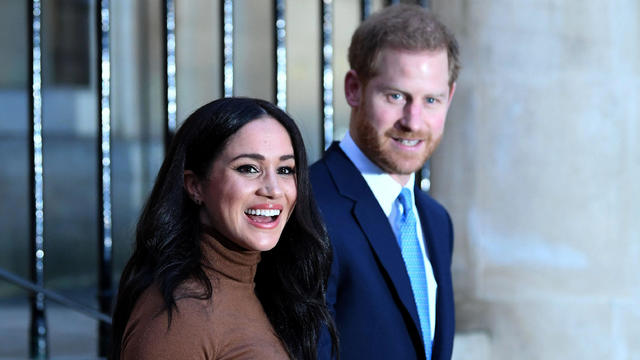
(369, 293)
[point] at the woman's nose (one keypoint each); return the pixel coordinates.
(270, 186)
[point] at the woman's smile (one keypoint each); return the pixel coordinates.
(265, 216)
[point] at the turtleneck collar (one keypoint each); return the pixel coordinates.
(228, 259)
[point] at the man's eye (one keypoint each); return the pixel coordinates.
(247, 169)
(431, 100)
(286, 170)
(395, 97)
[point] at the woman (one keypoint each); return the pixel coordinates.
(231, 260)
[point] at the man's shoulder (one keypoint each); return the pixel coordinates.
(429, 206)
(317, 166)
(318, 173)
(323, 182)
(426, 199)
(323, 171)
(335, 185)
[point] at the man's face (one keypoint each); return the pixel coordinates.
(398, 117)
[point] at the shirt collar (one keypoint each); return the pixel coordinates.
(384, 187)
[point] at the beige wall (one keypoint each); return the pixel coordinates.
(540, 168)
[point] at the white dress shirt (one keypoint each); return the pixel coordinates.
(386, 191)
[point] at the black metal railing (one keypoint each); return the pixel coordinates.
(280, 54)
(103, 151)
(326, 75)
(54, 296)
(170, 93)
(39, 347)
(38, 326)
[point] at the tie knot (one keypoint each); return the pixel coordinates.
(405, 200)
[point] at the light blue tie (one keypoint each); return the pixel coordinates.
(412, 255)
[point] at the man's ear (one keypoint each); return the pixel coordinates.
(192, 186)
(352, 88)
(452, 91)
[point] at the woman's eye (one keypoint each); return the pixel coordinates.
(286, 170)
(247, 169)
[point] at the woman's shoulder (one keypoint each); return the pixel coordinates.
(151, 334)
(190, 299)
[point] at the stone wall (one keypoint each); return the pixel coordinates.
(539, 168)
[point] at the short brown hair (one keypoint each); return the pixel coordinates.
(402, 26)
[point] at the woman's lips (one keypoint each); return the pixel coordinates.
(264, 216)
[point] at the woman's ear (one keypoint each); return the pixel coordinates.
(192, 186)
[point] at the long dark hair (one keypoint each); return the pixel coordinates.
(291, 278)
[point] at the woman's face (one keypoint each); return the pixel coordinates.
(250, 190)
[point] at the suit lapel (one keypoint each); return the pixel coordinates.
(435, 258)
(373, 223)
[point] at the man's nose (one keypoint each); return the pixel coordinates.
(412, 116)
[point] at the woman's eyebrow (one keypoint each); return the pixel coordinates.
(261, 157)
(251, 156)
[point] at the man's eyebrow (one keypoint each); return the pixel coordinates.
(440, 95)
(390, 87)
(261, 157)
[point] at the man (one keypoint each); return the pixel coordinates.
(390, 287)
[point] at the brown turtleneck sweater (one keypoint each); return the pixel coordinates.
(230, 325)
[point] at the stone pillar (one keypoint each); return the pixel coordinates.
(540, 167)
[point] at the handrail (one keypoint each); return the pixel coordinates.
(60, 299)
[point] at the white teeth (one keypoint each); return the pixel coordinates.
(408, 142)
(262, 212)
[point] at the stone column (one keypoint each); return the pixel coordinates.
(540, 167)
